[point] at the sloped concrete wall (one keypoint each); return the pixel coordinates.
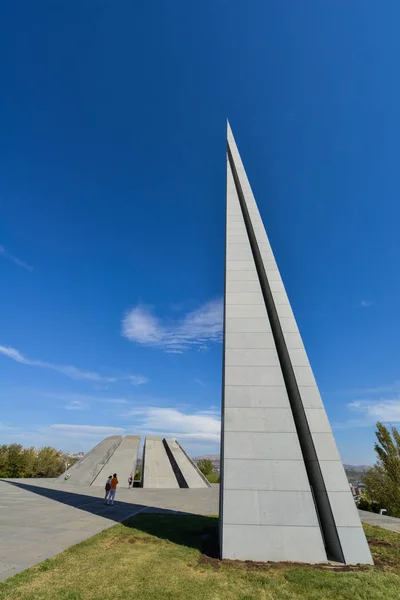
(192, 476)
(157, 469)
(123, 462)
(85, 471)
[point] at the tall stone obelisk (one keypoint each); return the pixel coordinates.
(284, 492)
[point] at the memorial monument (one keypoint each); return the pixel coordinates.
(284, 492)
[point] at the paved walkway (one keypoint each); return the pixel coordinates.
(39, 518)
(390, 523)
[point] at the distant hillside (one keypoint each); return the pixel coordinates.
(357, 467)
(207, 456)
(355, 473)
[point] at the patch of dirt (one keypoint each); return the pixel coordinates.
(249, 565)
(375, 542)
(108, 543)
(143, 540)
(214, 563)
(382, 563)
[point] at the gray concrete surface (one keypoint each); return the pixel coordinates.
(157, 469)
(85, 471)
(275, 428)
(40, 518)
(390, 523)
(123, 462)
(191, 474)
(267, 509)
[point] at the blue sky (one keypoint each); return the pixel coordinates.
(112, 191)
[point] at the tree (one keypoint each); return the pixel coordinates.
(50, 462)
(205, 466)
(16, 461)
(4, 460)
(30, 459)
(383, 479)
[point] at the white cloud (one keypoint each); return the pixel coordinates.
(385, 410)
(68, 370)
(92, 430)
(15, 260)
(69, 438)
(365, 303)
(368, 412)
(195, 329)
(76, 405)
(84, 399)
(4, 427)
(136, 379)
(212, 411)
(201, 426)
(115, 400)
(372, 391)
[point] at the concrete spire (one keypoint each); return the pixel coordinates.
(284, 492)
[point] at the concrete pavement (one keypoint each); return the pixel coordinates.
(390, 523)
(40, 518)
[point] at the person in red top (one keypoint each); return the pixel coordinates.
(113, 489)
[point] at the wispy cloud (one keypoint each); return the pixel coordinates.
(4, 427)
(380, 389)
(365, 303)
(368, 411)
(136, 379)
(93, 430)
(76, 405)
(14, 259)
(385, 410)
(67, 437)
(68, 370)
(371, 391)
(202, 426)
(199, 381)
(195, 329)
(84, 399)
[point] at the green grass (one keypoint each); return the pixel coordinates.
(167, 557)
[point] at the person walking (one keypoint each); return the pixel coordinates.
(107, 488)
(113, 489)
(130, 480)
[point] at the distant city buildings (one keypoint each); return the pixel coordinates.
(75, 454)
(357, 489)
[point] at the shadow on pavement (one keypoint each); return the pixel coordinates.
(91, 504)
(186, 529)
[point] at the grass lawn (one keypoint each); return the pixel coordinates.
(168, 557)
